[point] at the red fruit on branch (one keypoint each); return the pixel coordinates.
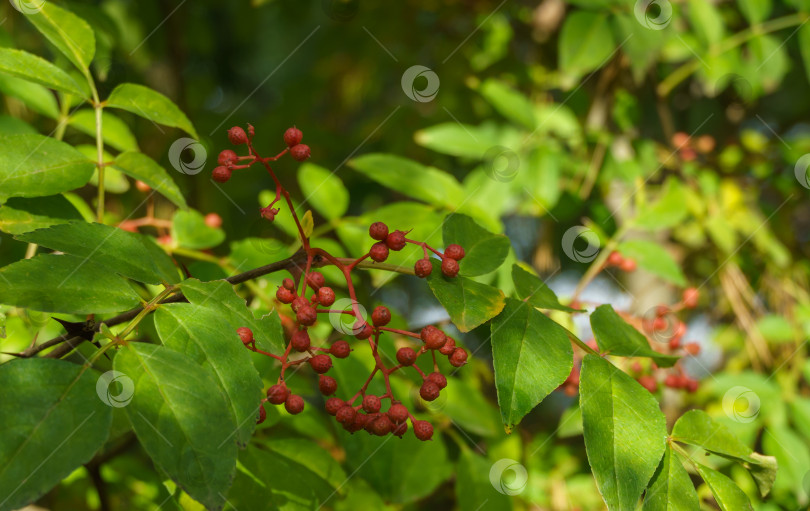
(458, 358)
(227, 157)
(378, 231)
(327, 385)
(326, 296)
(396, 240)
(300, 152)
(381, 316)
(320, 363)
(423, 430)
(406, 356)
(237, 136)
(262, 415)
(293, 136)
(362, 330)
(221, 174)
(449, 347)
(300, 341)
(614, 259)
(429, 391)
(306, 315)
(371, 403)
(346, 414)
(454, 251)
(398, 413)
(284, 295)
(438, 378)
(277, 394)
(450, 267)
(333, 404)
(378, 252)
(691, 295)
(422, 268)
(316, 280)
(245, 334)
(340, 349)
(628, 265)
(294, 404)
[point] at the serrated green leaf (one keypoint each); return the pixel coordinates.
(484, 251)
(36, 69)
(616, 337)
(671, 489)
(205, 335)
(469, 303)
(534, 291)
(52, 422)
(625, 432)
(585, 43)
(139, 166)
(324, 190)
(410, 178)
(510, 103)
(64, 283)
(181, 419)
(532, 356)
(190, 230)
(70, 34)
(35, 165)
(727, 494)
(266, 330)
(150, 104)
(654, 258)
(19, 215)
(115, 132)
(129, 254)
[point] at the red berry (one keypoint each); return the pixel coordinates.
(327, 385)
(294, 404)
(213, 220)
(454, 251)
(262, 415)
(362, 330)
(396, 240)
(398, 413)
(142, 187)
(423, 430)
(674, 343)
(449, 267)
(246, 334)
(326, 296)
(691, 385)
(422, 268)
(648, 382)
(458, 358)
(221, 174)
(227, 157)
(659, 324)
(614, 259)
(333, 404)
(381, 426)
(277, 394)
(378, 252)
(433, 337)
(381, 316)
(429, 391)
(378, 231)
(438, 378)
(320, 363)
(692, 348)
(284, 295)
(288, 284)
(690, 297)
(306, 315)
(340, 349)
(400, 429)
(299, 303)
(316, 280)
(671, 381)
(300, 340)
(368, 422)
(293, 136)
(371, 403)
(237, 136)
(448, 347)
(300, 152)
(406, 356)
(628, 265)
(346, 414)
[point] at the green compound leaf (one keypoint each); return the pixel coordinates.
(671, 489)
(616, 337)
(625, 432)
(469, 303)
(190, 230)
(35, 165)
(64, 283)
(728, 495)
(532, 356)
(70, 34)
(19, 214)
(36, 69)
(181, 419)
(139, 166)
(114, 131)
(324, 190)
(52, 421)
(484, 251)
(129, 254)
(205, 336)
(150, 104)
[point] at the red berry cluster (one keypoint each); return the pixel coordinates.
(619, 261)
(308, 296)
